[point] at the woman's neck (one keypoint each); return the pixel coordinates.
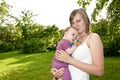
(83, 37)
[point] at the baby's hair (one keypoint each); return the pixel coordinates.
(67, 28)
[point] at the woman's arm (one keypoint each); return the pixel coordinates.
(96, 48)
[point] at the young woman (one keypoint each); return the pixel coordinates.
(88, 58)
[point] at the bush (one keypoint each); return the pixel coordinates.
(111, 48)
(18, 44)
(6, 46)
(34, 45)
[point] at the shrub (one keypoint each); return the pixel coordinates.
(6, 46)
(34, 45)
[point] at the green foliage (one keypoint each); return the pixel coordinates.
(99, 7)
(109, 33)
(114, 10)
(30, 37)
(5, 46)
(109, 28)
(41, 40)
(84, 3)
(18, 44)
(34, 45)
(26, 24)
(4, 12)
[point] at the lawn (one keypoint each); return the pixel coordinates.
(16, 66)
(112, 69)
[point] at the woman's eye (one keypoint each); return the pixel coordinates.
(78, 20)
(72, 23)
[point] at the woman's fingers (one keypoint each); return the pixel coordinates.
(61, 52)
(59, 55)
(63, 56)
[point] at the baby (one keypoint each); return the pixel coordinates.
(70, 34)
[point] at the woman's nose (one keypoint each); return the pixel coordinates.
(75, 25)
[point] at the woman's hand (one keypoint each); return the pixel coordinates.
(57, 72)
(63, 56)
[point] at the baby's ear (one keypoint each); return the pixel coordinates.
(65, 33)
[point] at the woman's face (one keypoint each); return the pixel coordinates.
(79, 23)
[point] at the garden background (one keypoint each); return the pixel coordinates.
(27, 48)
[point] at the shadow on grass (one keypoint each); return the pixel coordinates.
(37, 67)
(10, 54)
(28, 66)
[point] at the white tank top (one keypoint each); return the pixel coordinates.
(82, 53)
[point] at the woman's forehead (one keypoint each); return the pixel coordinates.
(77, 17)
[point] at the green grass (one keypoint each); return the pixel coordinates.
(16, 66)
(112, 69)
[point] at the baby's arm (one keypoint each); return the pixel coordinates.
(76, 43)
(71, 50)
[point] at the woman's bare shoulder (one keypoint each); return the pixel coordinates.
(94, 35)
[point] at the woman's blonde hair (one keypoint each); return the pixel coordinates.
(84, 15)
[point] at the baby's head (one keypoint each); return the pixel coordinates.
(70, 34)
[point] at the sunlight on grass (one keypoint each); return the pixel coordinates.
(8, 64)
(9, 67)
(14, 66)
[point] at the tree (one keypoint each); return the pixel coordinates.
(113, 29)
(26, 23)
(84, 3)
(109, 28)
(4, 12)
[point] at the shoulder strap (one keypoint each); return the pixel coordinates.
(87, 38)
